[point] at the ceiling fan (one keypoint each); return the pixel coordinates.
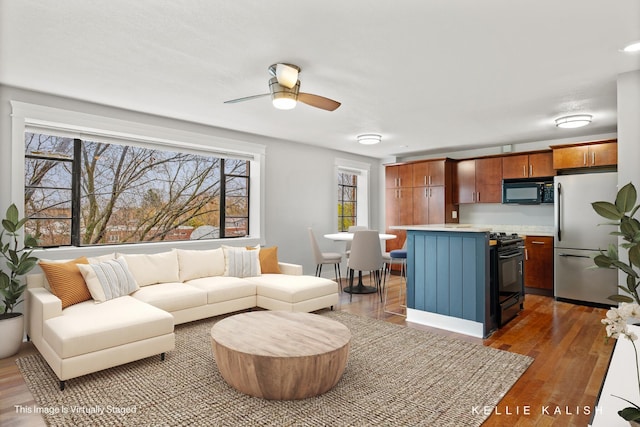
(284, 88)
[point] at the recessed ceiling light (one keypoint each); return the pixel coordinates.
(574, 121)
(369, 138)
(633, 47)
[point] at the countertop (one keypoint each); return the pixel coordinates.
(464, 228)
(521, 230)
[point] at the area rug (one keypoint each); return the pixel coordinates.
(395, 376)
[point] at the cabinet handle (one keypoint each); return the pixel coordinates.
(593, 158)
(584, 159)
(429, 192)
(530, 170)
(426, 192)
(399, 182)
(429, 179)
(524, 170)
(526, 254)
(535, 242)
(478, 196)
(425, 180)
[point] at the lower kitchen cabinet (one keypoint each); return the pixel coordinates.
(538, 265)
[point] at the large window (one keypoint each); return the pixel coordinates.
(82, 192)
(347, 200)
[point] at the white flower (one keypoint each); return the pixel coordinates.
(616, 320)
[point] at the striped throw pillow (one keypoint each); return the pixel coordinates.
(239, 262)
(108, 280)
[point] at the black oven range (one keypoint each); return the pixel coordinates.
(507, 277)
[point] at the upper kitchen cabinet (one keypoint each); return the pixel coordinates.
(603, 153)
(399, 176)
(429, 173)
(534, 165)
(479, 180)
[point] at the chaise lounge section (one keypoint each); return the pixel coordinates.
(179, 286)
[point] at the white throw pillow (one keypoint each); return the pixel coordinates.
(195, 264)
(149, 269)
(101, 258)
(240, 262)
(108, 280)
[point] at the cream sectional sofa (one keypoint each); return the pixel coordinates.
(172, 287)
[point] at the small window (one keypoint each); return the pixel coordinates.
(347, 200)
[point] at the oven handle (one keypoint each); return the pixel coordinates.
(510, 256)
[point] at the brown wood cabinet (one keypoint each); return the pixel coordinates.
(429, 173)
(399, 176)
(533, 165)
(427, 200)
(479, 180)
(585, 155)
(429, 205)
(538, 264)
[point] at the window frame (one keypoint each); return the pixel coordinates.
(341, 200)
(362, 170)
(55, 121)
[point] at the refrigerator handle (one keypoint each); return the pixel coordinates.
(559, 214)
(573, 256)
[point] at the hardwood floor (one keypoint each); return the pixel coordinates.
(559, 389)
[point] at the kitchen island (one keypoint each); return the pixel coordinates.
(448, 281)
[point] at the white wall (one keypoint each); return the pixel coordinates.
(629, 128)
(300, 188)
(628, 137)
(499, 214)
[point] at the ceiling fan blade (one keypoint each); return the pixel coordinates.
(246, 98)
(318, 101)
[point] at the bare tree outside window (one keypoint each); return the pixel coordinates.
(130, 194)
(347, 200)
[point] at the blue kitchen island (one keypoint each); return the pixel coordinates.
(448, 282)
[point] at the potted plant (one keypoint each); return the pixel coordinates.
(618, 318)
(18, 263)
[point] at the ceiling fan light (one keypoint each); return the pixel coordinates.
(574, 121)
(369, 138)
(632, 48)
(287, 76)
(284, 101)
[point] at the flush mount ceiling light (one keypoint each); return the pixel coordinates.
(633, 47)
(574, 121)
(369, 138)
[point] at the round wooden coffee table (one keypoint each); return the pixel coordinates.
(280, 355)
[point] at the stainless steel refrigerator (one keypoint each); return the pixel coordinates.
(578, 238)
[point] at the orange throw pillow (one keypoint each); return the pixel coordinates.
(66, 281)
(269, 260)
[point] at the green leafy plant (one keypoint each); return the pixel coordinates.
(622, 211)
(18, 261)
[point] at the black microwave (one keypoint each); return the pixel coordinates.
(527, 192)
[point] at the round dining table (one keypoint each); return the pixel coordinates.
(360, 288)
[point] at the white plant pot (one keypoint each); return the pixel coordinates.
(11, 334)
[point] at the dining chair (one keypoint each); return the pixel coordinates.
(322, 258)
(366, 255)
(352, 229)
(396, 256)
